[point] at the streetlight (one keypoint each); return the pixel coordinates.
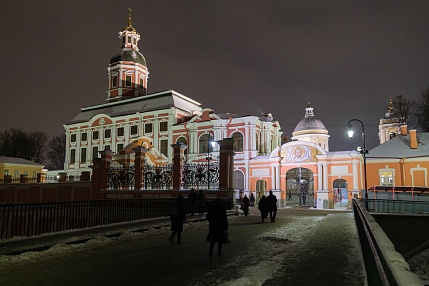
(363, 151)
(212, 143)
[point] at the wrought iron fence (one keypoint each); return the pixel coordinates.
(157, 177)
(121, 178)
(200, 175)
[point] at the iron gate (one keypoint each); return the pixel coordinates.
(300, 187)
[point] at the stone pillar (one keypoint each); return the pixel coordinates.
(7, 179)
(106, 158)
(85, 176)
(95, 186)
(178, 158)
(41, 177)
(226, 164)
(140, 155)
(23, 178)
(62, 177)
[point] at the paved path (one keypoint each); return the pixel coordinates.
(303, 247)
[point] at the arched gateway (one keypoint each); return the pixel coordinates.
(300, 187)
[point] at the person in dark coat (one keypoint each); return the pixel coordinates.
(246, 203)
(192, 198)
(252, 200)
(263, 208)
(177, 218)
(218, 223)
(272, 206)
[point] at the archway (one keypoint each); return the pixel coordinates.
(261, 188)
(300, 187)
(341, 198)
(238, 185)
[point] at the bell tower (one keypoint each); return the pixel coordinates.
(128, 72)
(389, 126)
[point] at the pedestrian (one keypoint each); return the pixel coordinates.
(218, 224)
(246, 205)
(177, 218)
(252, 200)
(272, 206)
(201, 202)
(263, 208)
(192, 198)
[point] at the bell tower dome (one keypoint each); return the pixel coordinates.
(128, 72)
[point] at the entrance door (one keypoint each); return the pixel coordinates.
(300, 187)
(341, 197)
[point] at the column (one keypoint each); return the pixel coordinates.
(139, 155)
(178, 158)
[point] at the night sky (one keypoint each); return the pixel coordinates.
(239, 56)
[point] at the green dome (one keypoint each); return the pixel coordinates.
(128, 55)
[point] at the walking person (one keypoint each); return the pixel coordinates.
(252, 200)
(263, 208)
(272, 206)
(246, 203)
(218, 224)
(201, 202)
(177, 218)
(192, 198)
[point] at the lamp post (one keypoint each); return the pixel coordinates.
(363, 151)
(210, 142)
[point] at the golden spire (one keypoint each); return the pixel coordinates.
(308, 103)
(391, 105)
(130, 26)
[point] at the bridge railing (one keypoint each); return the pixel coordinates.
(34, 219)
(377, 270)
(397, 206)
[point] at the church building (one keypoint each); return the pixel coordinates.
(301, 172)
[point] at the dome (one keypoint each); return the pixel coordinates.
(309, 123)
(128, 55)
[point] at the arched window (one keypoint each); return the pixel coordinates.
(203, 144)
(257, 142)
(238, 180)
(238, 141)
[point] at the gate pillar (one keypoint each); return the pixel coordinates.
(106, 158)
(178, 158)
(226, 164)
(140, 155)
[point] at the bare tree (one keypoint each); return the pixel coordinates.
(402, 107)
(56, 152)
(421, 112)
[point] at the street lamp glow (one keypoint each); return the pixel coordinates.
(350, 133)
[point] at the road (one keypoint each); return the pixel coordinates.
(303, 247)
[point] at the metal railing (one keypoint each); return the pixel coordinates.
(35, 219)
(377, 270)
(397, 206)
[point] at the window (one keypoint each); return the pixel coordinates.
(107, 147)
(163, 126)
(73, 138)
(128, 80)
(120, 131)
(238, 141)
(107, 133)
(72, 156)
(386, 178)
(204, 146)
(6, 172)
(95, 152)
(16, 173)
(115, 80)
(34, 174)
(120, 147)
(141, 83)
(134, 130)
(134, 41)
(261, 185)
(164, 147)
(83, 155)
(257, 142)
(26, 172)
(182, 140)
(94, 135)
(148, 128)
(129, 39)
(84, 137)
